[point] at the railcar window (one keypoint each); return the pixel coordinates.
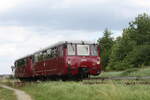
(33, 59)
(54, 52)
(71, 49)
(36, 58)
(44, 55)
(83, 50)
(40, 56)
(49, 54)
(21, 62)
(94, 50)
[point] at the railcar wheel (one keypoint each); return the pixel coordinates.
(64, 78)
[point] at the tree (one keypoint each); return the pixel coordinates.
(105, 43)
(129, 50)
(139, 56)
(121, 48)
(140, 29)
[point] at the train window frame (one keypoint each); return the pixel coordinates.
(91, 49)
(77, 49)
(54, 52)
(49, 54)
(40, 56)
(71, 54)
(44, 53)
(21, 62)
(35, 57)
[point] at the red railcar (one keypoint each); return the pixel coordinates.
(64, 59)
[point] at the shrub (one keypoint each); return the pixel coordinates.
(139, 56)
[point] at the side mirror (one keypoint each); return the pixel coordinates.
(12, 68)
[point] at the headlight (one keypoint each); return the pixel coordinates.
(98, 61)
(69, 62)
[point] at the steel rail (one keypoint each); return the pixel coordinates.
(120, 78)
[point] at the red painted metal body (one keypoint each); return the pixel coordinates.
(58, 65)
(86, 62)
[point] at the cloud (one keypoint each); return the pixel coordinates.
(141, 3)
(73, 14)
(5, 5)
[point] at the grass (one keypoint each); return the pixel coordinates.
(110, 74)
(141, 72)
(7, 94)
(78, 91)
(129, 72)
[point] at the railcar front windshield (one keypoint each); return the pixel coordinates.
(83, 50)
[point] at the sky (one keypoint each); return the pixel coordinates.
(29, 25)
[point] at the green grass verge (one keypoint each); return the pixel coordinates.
(129, 72)
(110, 74)
(79, 91)
(7, 94)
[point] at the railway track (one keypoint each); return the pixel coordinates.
(120, 78)
(127, 80)
(123, 82)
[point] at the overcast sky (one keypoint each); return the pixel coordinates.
(28, 25)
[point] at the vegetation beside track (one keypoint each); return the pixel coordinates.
(7, 94)
(129, 72)
(79, 91)
(108, 90)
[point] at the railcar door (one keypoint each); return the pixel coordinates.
(29, 66)
(60, 60)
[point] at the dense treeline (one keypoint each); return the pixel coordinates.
(131, 50)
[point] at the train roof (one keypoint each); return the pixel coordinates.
(57, 44)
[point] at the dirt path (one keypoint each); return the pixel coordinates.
(21, 95)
